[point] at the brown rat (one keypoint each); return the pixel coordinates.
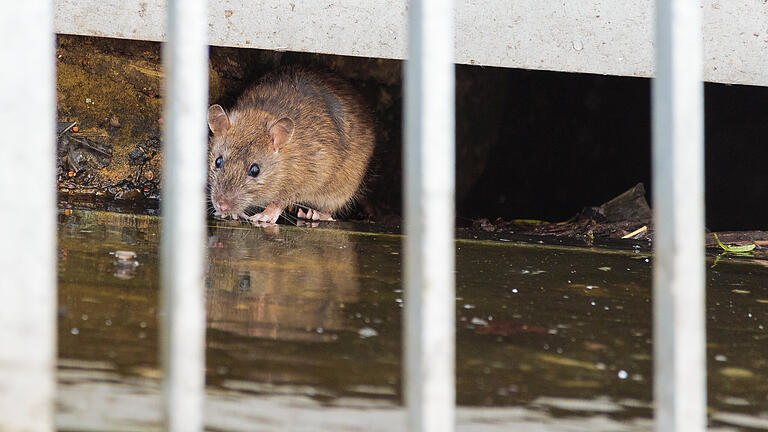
(294, 138)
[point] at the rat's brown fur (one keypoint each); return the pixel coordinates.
(321, 165)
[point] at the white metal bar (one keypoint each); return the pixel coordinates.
(429, 214)
(185, 59)
(678, 196)
(27, 218)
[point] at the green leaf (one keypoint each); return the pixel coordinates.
(734, 249)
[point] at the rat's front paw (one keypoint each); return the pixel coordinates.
(269, 215)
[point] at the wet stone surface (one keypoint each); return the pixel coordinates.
(308, 320)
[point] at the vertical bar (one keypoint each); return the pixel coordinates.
(678, 195)
(27, 218)
(429, 215)
(185, 58)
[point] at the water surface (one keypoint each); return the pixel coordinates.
(304, 328)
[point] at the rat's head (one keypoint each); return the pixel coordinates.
(244, 159)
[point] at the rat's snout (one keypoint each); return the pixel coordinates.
(224, 206)
(221, 204)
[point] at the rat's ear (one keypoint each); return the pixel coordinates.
(281, 132)
(218, 120)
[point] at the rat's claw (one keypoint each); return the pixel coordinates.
(314, 215)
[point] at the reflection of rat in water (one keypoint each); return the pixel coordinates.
(276, 284)
(294, 138)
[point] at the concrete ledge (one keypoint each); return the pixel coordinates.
(612, 37)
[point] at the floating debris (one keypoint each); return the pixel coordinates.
(125, 264)
(733, 372)
(126, 258)
(367, 332)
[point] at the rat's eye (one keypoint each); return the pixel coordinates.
(218, 162)
(253, 171)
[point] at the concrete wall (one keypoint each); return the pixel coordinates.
(611, 37)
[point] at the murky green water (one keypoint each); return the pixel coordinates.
(545, 335)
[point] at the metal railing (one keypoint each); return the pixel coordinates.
(678, 204)
(27, 218)
(27, 299)
(182, 242)
(429, 334)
